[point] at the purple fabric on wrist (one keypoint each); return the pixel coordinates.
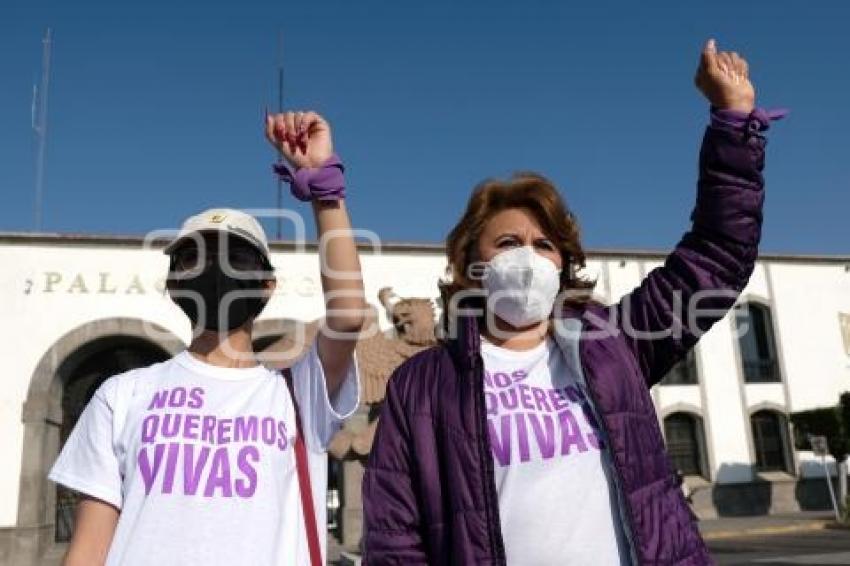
(325, 182)
(756, 121)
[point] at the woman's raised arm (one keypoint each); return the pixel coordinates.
(304, 139)
(701, 279)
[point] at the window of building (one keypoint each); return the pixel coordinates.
(684, 372)
(685, 440)
(758, 347)
(770, 441)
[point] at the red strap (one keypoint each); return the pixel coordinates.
(304, 485)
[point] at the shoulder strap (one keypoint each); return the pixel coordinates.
(304, 484)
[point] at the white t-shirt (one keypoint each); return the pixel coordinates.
(202, 465)
(555, 504)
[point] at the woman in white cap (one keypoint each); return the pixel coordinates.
(211, 458)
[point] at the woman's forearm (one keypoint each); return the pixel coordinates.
(342, 285)
(342, 282)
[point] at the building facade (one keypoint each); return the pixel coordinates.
(77, 309)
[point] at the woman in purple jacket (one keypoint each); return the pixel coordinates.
(530, 438)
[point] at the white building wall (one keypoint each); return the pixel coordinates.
(807, 301)
(724, 408)
(624, 274)
(757, 394)
(51, 288)
(48, 292)
(670, 397)
(757, 286)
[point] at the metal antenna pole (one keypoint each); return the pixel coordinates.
(279, 109)
(40, 126)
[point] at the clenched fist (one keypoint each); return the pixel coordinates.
(303, 138)
(724, 79)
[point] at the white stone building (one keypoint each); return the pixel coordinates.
(77, 309)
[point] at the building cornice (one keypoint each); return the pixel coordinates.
(429, 248)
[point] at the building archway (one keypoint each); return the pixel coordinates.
(771, 440)
(63, 381)
(685, 439)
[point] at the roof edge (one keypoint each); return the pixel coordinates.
(123, 240)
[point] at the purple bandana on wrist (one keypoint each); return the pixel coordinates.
(756, 121)
(325, 183)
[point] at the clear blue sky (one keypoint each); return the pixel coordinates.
(155, 109)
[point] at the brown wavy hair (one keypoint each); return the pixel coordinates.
(534, 193)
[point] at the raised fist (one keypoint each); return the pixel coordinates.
(303, 138)
(724, 79)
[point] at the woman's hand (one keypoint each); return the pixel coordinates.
(724, 79)
(303, 138)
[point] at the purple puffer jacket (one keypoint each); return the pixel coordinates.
(429, 491)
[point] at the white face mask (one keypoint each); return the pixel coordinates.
(521, 286)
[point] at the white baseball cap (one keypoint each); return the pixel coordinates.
(226, 220)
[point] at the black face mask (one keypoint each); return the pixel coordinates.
(211, 288)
